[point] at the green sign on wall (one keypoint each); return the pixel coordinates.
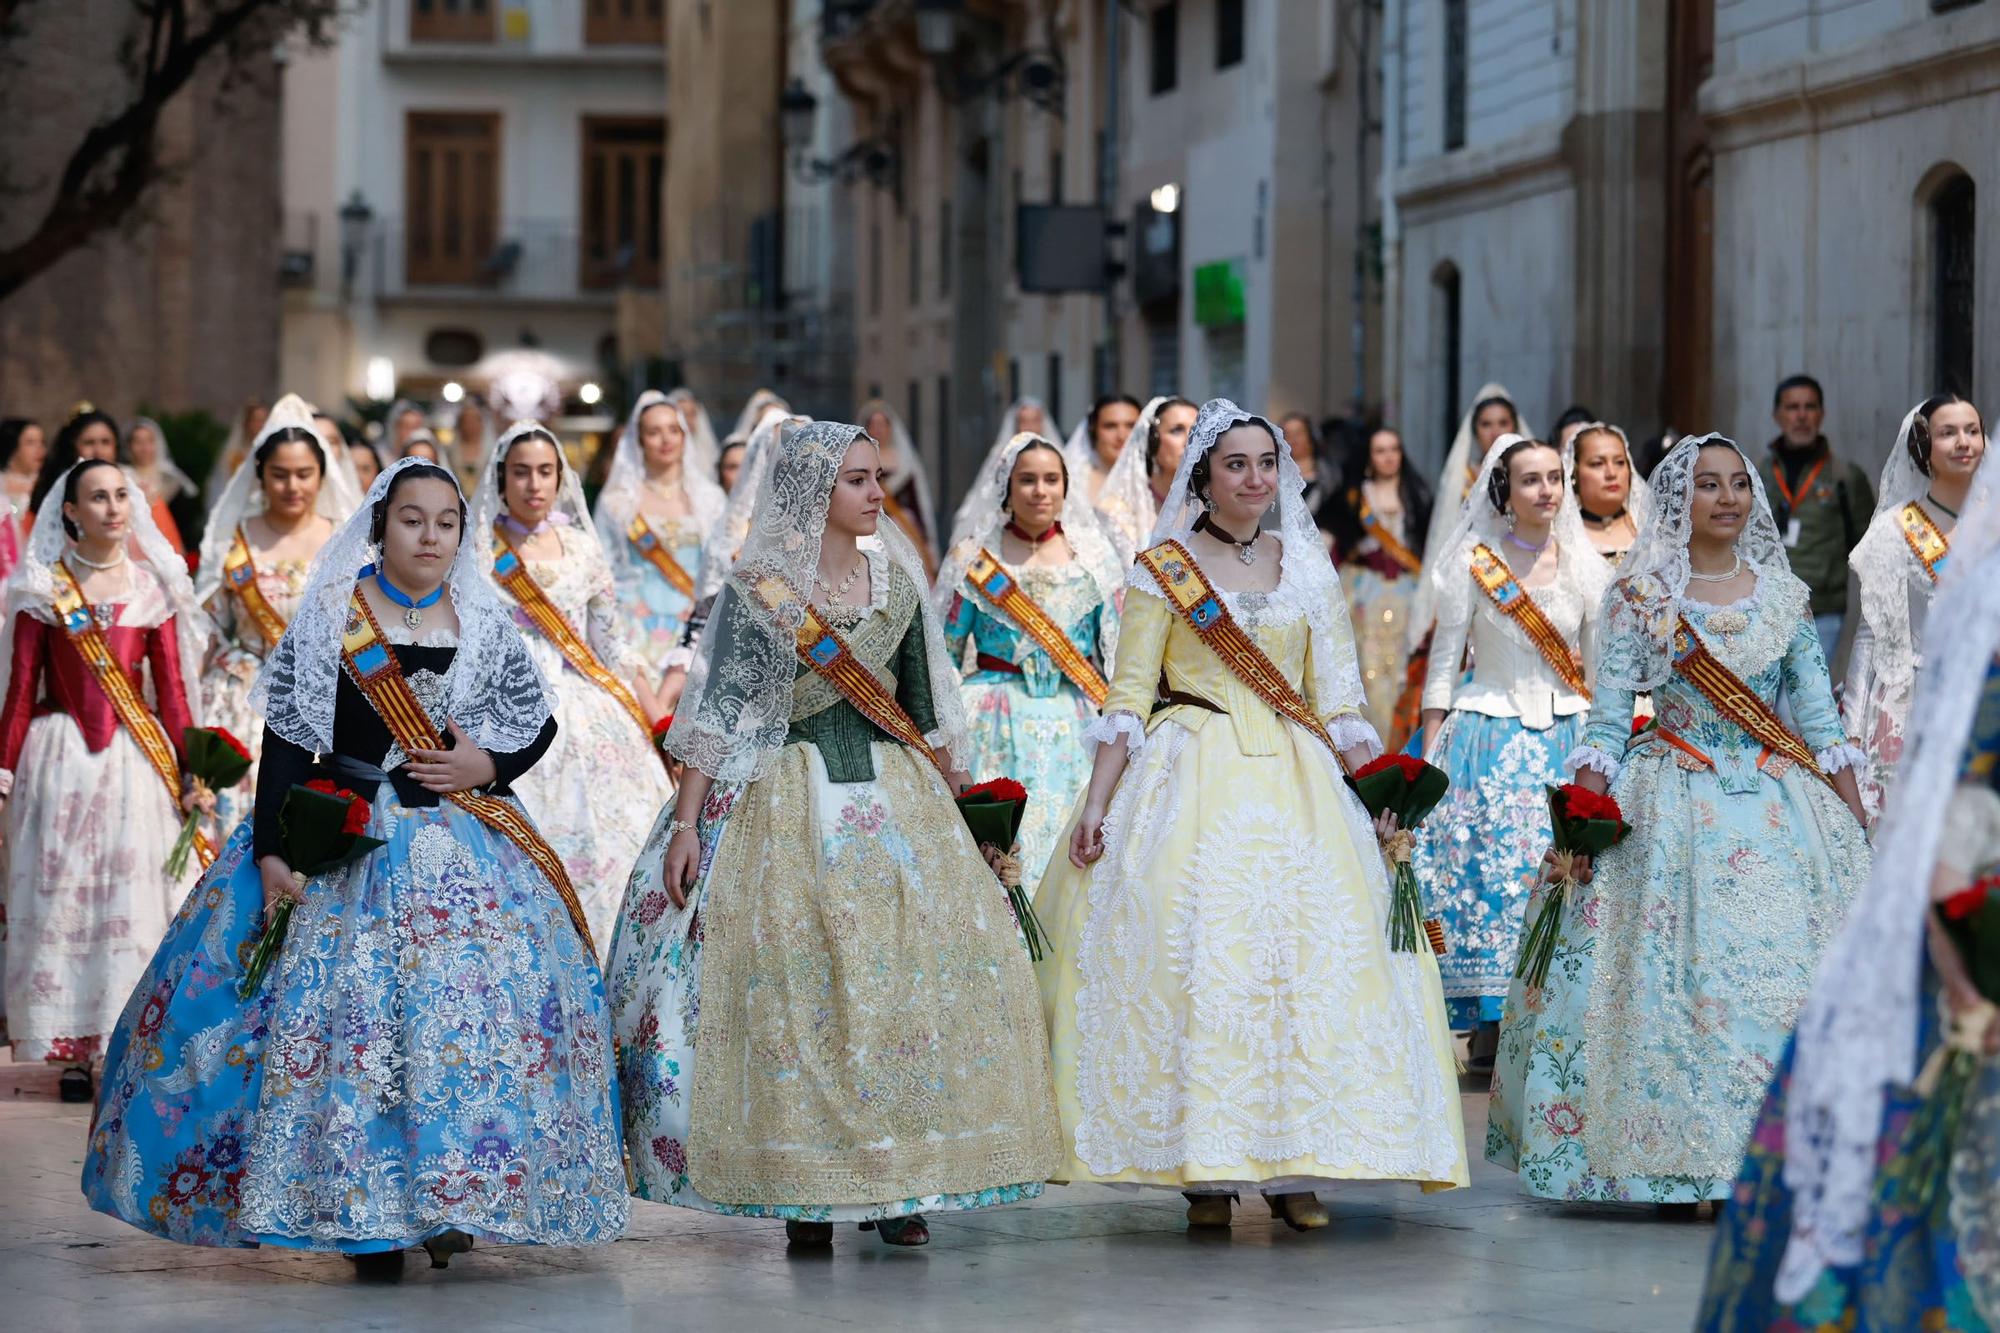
(1218, 293)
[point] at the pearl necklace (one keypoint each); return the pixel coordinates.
(83, 559)
(1734, 570)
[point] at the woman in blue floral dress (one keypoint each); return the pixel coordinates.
(1635, 1073)
(1028, 713)
(429, 1058)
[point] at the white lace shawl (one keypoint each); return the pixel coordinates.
(1883, 563)
(906, 467)
(1093, 549)
(1307, 579)
(339, 495)
(1858, 1032)
(968, 515)
(619, 501)
(1126, 500)
(753, 410)
(1452, 487)
(32, 586)
(718, 553)
(736, 710)
(702, 450)
(493, 689)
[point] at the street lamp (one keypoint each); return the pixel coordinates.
(875, 159)
(355, 219)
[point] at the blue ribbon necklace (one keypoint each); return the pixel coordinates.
(413, 610)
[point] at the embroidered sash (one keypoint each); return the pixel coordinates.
(1930, 546)
(996, 585)
(239, 572)
(1497, 581)
(1391, 544)
(371, 661)
(511, 573)
(1738, 702)
(821, 648)
(640, 533)
(73, 614)
(1187, 590)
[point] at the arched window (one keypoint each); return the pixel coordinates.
(1447, 345)
(1951, 224)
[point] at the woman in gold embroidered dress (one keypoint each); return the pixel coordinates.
(1924, 485)
(1224, 1010)
(869, 1045)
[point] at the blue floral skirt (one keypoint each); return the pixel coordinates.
(1479, 854)
(431, 1051)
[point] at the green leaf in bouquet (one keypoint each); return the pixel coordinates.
(213, 759)
(1593, 837)
(993, 823)
(1386, 790)
(1425, 793)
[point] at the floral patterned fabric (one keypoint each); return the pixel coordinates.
(1028, 725)
(1636, 1072)
(430, 1051)
(1379, 603)
(595, 793)
(232, 666)
(656, 611)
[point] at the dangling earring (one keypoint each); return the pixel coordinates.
(1510, 518)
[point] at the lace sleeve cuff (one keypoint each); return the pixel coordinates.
(1594, 759)
(1351, 729)
(1112, 726)
(1836, 757)
(677, 657)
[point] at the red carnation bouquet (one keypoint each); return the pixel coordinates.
(1408, 788)
(323, 827)
(993, 811)
(215, 760)
(1585, 824)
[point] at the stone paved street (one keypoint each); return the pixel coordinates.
(1483, 1259)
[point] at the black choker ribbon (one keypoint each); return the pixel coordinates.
(1207, 524)
(1604, 520)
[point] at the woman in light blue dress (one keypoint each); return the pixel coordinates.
(428, 1059)
(1685, 953)
(1028, 715)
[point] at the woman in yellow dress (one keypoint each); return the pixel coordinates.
(1224, 1009)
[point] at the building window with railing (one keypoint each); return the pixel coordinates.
(451, 182)
(1953, 292)
(453, 20)
(1165, 32)
(624, 166)
(625, 22)
(1454, 74)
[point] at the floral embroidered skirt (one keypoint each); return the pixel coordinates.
(1038, 743)
(1679, 972)
(594, 796)
(1480, 852)
(656, 612)
(430, 1051)
(1224, 1009)
(842, 1025)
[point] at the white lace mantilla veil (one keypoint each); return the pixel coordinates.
(1858, 1032)
(1306, 567)
(1639, 491)
(1881, 561)
(1125, 502)
(1081, 527)
(569, 510)
(736, 710)
(169, 470)
(753, 411)
(702, 450)
(718, 554)
(909, 468)
(1452, 488)
(32, 587)
(1448, 572)
(493, 689)
(1079, 450)
(339, 494)
(1642, 606)
(447, 456)
(619, 500)
(966, 518)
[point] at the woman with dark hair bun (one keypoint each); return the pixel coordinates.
(1378, 524)
(1896, 567)
(1099, 441)
(101, 643)
(280, 507)
(88, 434)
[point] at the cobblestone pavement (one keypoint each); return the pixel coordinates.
(1083, 1257)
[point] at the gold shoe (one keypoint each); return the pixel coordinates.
(1300, 1212)
(1209, 1210)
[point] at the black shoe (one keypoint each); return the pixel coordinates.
(1481, 1048)
(76, 1085)
(810, 1235)
(444, 1245)
(382, 1266)
(1679, 1212)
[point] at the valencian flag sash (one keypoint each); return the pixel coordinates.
(822, 649)
(239, 573)
(372, 663)
(640, 533)
(1497, 581)
(511, 573)
(1391, 544)
(1736, 701)
(1187, 590)
(996, 585)
(73, 614)
(1927, 544)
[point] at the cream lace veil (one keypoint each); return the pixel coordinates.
(339, 495)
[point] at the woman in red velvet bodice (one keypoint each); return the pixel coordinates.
(86, 818)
